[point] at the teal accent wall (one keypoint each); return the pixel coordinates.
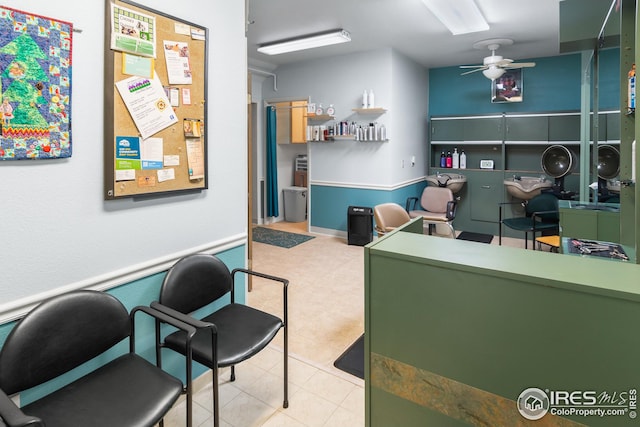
(140, 292)
(330, 204)
(552, 85)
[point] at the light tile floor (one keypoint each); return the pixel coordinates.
(326, 314)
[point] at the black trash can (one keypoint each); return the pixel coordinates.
(359, 225)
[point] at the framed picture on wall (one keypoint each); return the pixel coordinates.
(508, 87)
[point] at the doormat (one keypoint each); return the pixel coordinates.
(475, 237)
(352, 360)
(282, 239)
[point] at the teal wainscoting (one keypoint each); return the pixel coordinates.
(329, 204)
(140, 292)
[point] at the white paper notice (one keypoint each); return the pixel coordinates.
(147, 103)
(151, 153)
(186, 96)
(125, 174)
(177, 58)
(172, 160)
(166, 174)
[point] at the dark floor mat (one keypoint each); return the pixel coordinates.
(475, 237)
(352, 360)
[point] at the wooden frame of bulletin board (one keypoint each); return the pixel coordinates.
(155, 102)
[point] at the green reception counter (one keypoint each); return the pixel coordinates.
(461, 333)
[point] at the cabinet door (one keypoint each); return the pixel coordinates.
(485, 193)
(564, 128)
(447, 130)
(483, 129)
(299, 122)
(283, 122)
(613, 127)
(522, 128)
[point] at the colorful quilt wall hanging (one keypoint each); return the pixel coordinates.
(35, 86)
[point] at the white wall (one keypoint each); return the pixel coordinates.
(399, 85)
(410, 107)
(59, 233)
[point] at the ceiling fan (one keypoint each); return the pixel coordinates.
(495, 66)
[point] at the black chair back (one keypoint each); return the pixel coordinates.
(59, 335)
(546, 203)
(195, 281)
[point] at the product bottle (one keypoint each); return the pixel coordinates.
(449, 160)
(463, 160)
(383, 133)
(371, 103)
(631, 90)
(455, 162)
(443, 160)
(365, 99)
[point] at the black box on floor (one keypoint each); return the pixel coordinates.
(359, 225)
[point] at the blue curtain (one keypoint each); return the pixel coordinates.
(272, 164)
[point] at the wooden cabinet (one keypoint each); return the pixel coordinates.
(291, 122)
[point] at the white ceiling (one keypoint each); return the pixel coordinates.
(404, 25)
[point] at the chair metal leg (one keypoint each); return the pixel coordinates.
(233, 373)
(216, 398)
(285, 403)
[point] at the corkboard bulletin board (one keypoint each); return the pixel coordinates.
(141, 157)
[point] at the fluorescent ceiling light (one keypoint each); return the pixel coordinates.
(459, 16)
(305, 42)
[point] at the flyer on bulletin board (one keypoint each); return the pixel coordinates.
(147, 103)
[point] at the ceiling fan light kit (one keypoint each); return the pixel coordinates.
(493, 72)
(495, 66)
(459, 16)
(306, 42)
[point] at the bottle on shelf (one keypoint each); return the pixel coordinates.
(463, 160)
(365, 99)
(371, 101)
(455, 159)
(443, 160)
(383, 133)
(448, 160)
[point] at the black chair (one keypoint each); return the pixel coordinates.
(227, 336)
(63, 333)
(541, 216)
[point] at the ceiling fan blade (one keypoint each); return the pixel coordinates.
(473, 71)
(473, 66)
(521, 65)
(504, 63)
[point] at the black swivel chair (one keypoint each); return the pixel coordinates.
(227, 336)
(541, 215)
(61, 334)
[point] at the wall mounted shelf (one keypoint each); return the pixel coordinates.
(371, 111)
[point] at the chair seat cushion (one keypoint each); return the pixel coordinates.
(429, 216)
(128, 391)
(526, 224)
(242, 332)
